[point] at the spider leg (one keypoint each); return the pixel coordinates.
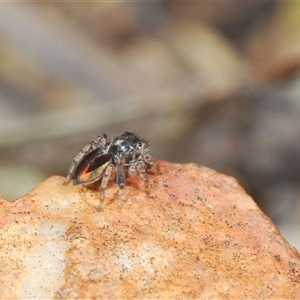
(104, 182)
(140, 167)
(151, 162)
(132, 170)
(122, 194)
(120, 176)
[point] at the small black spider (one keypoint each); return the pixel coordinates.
(104, 159)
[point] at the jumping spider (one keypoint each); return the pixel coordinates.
(104, 159)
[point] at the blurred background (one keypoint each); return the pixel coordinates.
(213, 83)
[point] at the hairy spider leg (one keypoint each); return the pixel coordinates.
(120, 174)
(151, 162)
(104, 182)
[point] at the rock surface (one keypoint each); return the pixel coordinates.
(198, 235)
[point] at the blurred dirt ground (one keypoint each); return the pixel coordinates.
(213, 83)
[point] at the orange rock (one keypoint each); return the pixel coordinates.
(198, 235)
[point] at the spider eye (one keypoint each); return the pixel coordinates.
(140, 144)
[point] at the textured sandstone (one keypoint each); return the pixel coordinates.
(198, 235)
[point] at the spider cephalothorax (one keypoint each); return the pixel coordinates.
(104, 159)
